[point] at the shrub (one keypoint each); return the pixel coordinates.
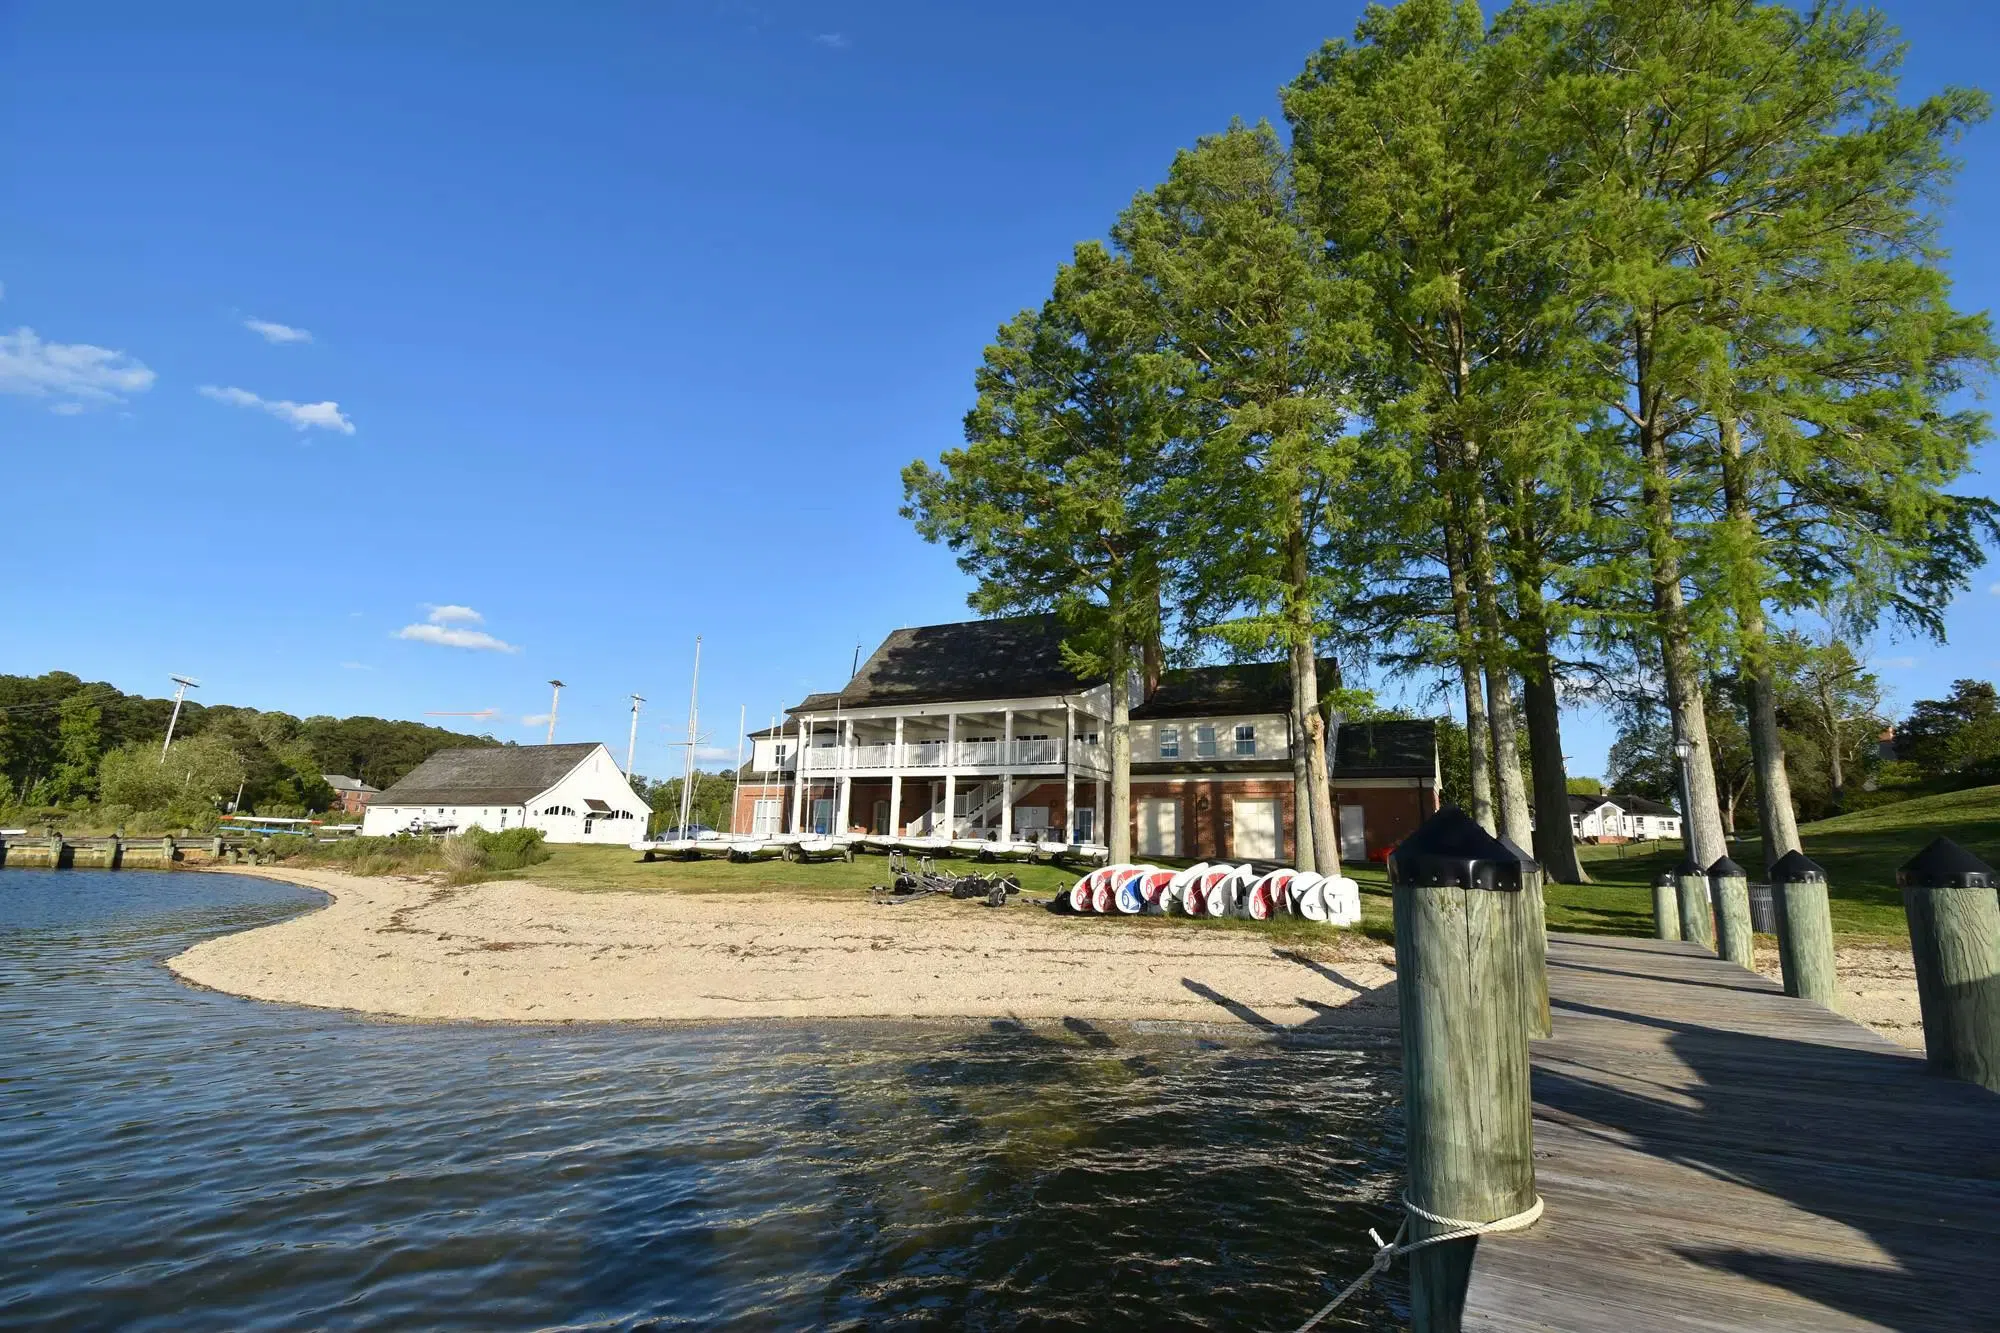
(465, 860)
(508, 849)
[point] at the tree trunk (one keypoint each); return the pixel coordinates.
(1555, 845)
(1118, 819)
(1829, 718)
(1302, 833)
(1776, 820)
(1309, 724)
(1479, 779)
(1513, 793)
(1705, 840)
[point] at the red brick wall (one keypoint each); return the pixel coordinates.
(1204, 812)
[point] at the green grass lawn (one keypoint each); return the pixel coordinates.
(1860, 853)
(619, 870)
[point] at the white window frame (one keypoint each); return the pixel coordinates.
(1170, 742)
(1246, 740)
(1205, 746)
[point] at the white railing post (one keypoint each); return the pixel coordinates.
(1007, 778)
(895, 828)
(1069, 772)
(950, 774)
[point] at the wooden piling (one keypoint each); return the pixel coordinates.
(1666, 907)
(1948, 898)
(1734, 939)
(114, 852)
(1534, 942)
(1805, 929)
(167, 852)
(1691, 890)
(1460, 982)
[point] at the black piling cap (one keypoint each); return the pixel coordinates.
(1450, 848)
(1797, 868)
(1944, 865)
(1689, 868)
(1724, 868)
(1665, 879)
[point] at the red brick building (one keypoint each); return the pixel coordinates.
(978, 730)
(350, 795)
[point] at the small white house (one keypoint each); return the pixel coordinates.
(1622, 819)
(572, 793)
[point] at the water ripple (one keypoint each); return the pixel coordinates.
(178, 1159)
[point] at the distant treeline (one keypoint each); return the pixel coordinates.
(67, 742)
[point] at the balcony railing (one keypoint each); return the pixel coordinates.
(968, 756)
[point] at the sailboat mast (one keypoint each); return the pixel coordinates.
(687, 781)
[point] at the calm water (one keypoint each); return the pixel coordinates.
(175, 1159)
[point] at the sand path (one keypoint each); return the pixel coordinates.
(519, 951)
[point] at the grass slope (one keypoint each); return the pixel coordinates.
(1859, 852)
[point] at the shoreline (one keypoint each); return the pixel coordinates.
(514, 951)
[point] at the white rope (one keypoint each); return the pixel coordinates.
(1387, 1252)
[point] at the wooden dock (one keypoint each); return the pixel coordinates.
(1715, 1155)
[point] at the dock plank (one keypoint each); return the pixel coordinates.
(1717, 1155)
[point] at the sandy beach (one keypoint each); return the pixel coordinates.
(518, 951)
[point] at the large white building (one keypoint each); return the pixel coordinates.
(572, 793)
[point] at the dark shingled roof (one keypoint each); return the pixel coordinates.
(1015, 658)
(489, 775)
(1392, 748)
(1583, 805)
(341, 782)
(1640, 805)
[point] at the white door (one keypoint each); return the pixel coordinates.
(1086, 825)
(1159, 828)
(1353, 834)
(822, 815)
(1256, 830)
(764, 821)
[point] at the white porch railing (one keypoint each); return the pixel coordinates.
(969, 756)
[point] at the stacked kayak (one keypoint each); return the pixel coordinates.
(1217, 890)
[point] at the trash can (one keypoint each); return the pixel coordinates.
(1763, 910)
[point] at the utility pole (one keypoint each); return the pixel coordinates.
(687, 780)
(632, 741)
(555, 699)
(180, 693)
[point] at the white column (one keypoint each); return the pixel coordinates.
(799, 776)
(1007, 778)
(1069, 771)
(950, 773)
(844, 802)
(1101, 833)
(895, 829)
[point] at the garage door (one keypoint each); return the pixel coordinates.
(1256, 830)
(1159, 828)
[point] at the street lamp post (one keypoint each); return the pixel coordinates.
(555, 698)
(1682, 750)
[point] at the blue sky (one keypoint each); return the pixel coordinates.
(333, 338)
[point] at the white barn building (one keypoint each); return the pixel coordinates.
(572, 793)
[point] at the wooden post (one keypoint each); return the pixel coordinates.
(215, 847)
(55, 851)
(1731, 887)
(1666, 907)
(114, 852)
(1534, 942)
(1805, 929)
(1955, 938)
(1459, 973)
(1691, 889)
(167, 852)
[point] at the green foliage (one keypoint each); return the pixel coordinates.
(714, 801)
(1585, 787)
(508, 849)
(1954, 735)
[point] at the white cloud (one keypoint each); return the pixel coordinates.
(1897, 663)
(535, 720)
(277, 333)
(327, 416)
(702, 752)
(450, 614)
(832, 41)
(455, 638)
(75, 374)
(1993, 588)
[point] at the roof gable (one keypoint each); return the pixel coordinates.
(1019, 657)
(488, 775)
